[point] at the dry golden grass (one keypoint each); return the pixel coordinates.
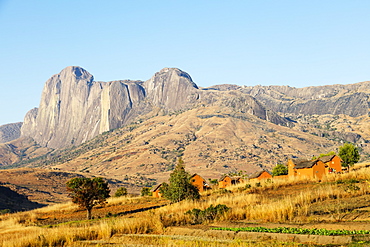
(259, 203)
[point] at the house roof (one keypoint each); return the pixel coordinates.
(157, 187)
(257, 174)
(327, 158)
(198, 175)
(231, 177)
(306, 164)
(297, 161)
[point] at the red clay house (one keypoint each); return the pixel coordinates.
(227, 180)
(260, 175)
(199, 182)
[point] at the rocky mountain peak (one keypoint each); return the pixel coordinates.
(77, 73)
(171, 89)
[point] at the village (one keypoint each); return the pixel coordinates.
(297, 168)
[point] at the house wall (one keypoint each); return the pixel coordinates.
(335, 164)
(224, 183)
(157, 194)
(317, 171)
(198, 182)
(291, 170)
(264, 175)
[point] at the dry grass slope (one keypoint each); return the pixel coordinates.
(341, 200)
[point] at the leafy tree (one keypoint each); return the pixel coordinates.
(145, 191)
(87, 192)
(349, 154)
(322, 155)
(179, 187)
(279, 169)
(122, 191)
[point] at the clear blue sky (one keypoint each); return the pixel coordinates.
(269, 42)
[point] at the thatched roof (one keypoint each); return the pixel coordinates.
(157, 187)
(326, 159)
(233, 178)
(257, 174)
(306, 164)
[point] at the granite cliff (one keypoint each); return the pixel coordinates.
(74, 108)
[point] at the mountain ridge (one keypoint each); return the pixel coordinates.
(140, 128)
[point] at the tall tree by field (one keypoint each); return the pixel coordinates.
(349, 154)
(179, 187)
(279, 169)
(87, 192)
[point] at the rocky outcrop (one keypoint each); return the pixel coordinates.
(171, 89)
(352, 100)
(74, 108)
(9, 132)
(246, 104)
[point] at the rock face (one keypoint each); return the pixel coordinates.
(171, 89)
(74, 108)
(9, 132)
(351, 100)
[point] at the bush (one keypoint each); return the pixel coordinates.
(122, 191)
(145, 191)
(279, 169)
(209, 214)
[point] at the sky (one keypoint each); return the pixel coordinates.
(246, 42)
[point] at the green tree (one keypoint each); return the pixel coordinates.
(122, 191)
(179, 187)
(322, 155)
(145, 191)
(87, 192)
(279, 169)
(349, 154)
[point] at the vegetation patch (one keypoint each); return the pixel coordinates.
(209, 214)
(293, 230)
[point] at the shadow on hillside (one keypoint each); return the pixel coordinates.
(11, 201)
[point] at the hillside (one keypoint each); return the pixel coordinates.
(11, 201)
(339, 202)
(351, 99)
(134, 131)
(45, 186)
(211, 140)
(9, 132)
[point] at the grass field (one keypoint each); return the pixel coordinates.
(338, 202)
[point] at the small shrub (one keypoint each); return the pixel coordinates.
(209, 214)
(351, 188)
(145, 191)
(122, 191)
